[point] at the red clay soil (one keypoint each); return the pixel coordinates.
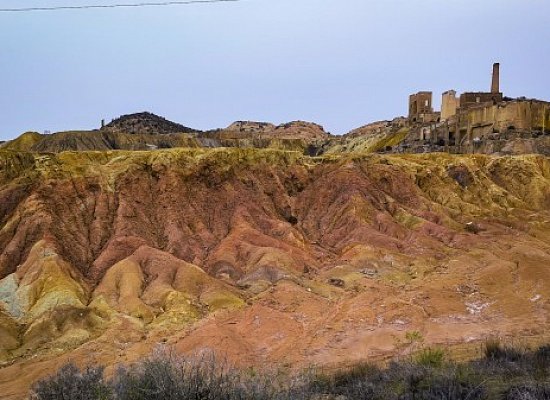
(268, 258)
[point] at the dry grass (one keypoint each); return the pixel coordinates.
(166, 376)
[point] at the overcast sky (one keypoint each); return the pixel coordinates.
(340, 63)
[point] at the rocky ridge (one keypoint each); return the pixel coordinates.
(146, 131)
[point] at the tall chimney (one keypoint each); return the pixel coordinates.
(495, 86)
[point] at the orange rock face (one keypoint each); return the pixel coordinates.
(267, 257)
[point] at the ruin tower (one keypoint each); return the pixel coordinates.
(449, 104)
(420, 108)
(495, 85)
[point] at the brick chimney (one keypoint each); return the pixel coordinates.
(495, 86)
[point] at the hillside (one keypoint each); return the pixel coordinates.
(145, 123)
(290, 130)
(266, 256)
(146, 131)
(25, 142)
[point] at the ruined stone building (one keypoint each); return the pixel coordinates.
(476, 116)
(449, 104)
(420, 108)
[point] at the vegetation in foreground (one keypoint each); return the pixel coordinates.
(504, 373)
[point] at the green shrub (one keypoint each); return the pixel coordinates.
(430, 357)
(414, 337)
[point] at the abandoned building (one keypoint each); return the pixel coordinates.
(475, 116)
(420, 108)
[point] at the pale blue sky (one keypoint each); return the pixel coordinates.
(341, 63)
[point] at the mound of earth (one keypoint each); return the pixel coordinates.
(146, 131)
(380, 127)
(25, 142)
(381, 136)
(251, 127)
(146, 123)
(104, 140)
(266, 257)
(297, 130)
(301, 130)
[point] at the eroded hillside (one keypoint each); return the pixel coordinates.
(265, 256)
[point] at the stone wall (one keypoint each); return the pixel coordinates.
(469, 99)
(449, 105)
(420, 104)
(520, 115)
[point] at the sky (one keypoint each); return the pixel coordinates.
(340, 63)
